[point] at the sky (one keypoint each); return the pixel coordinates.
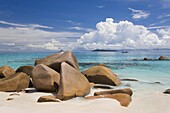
(53, 25)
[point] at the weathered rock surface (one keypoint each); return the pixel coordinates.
(45, 78)
(28, 71)
(72, 83)
(48, 98)
(125, 91)
(101, 75)
(25, 69)
(54, 61)
(6, 71)
(163, 58)
(167, 91)
(15, 82)
(123, 98)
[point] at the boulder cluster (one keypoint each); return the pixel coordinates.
(59, 73)
(160, 58)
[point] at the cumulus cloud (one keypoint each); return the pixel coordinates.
(139, 14)
(107, 35)
(54, 45)
(124, 34)
(25, 25)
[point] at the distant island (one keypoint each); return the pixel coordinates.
(109, 50)
(105, 50)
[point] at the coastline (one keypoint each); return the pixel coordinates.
(142, 102)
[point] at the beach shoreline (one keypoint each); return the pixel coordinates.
(146, 102)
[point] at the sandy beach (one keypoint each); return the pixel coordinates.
(143, 101)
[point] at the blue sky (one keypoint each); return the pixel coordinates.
(55, 24)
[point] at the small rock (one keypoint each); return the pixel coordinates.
(163, 58)
(167, 91)
(9, 99)
(125, 91)
(147, 59)
(12, 94)
(124, 99)
(48, 98)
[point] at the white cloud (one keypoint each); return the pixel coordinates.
(100, 6)
(19, 38)
(139, 14)
(8, 44)
(164, 15)
(22, 35)
(108, 35)
(165, 34)
(81, 29)
(158, 27)
(25, 25)
(73, 23)
(124, 34)
(54, 45)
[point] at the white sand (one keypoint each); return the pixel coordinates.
(142, 102)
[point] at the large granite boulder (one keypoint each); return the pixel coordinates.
(54, 61)
(48, 98)
(45, 78)
(123, 98)
(72, 83)
(15, 82)
(28, 71)
(101, 75)
(25, 69)
(163, 58)
(6, 71)
(126, 91)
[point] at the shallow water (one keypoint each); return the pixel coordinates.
(121, 63)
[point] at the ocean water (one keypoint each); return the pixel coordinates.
(121, 64)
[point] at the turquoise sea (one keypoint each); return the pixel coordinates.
(122, 64)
